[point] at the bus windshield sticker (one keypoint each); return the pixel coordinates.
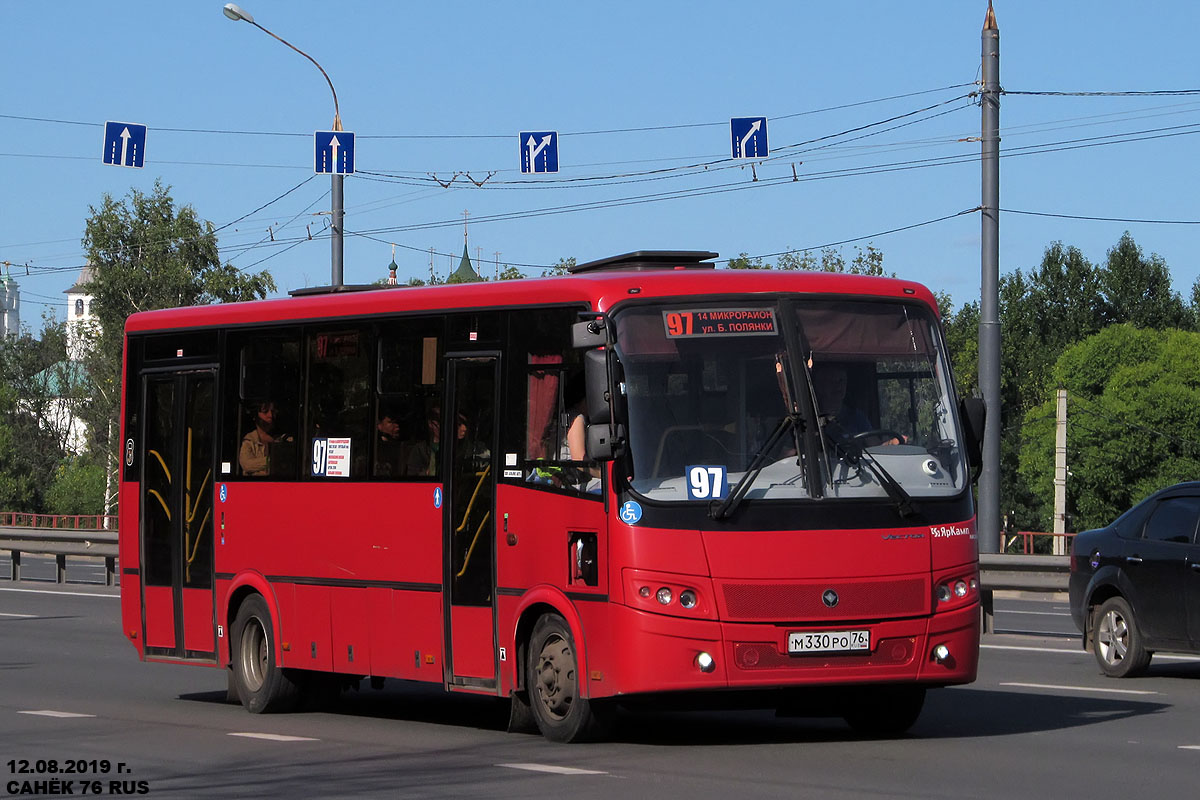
(631, 512)
(707, 482)
(331, 458)
(693, 323)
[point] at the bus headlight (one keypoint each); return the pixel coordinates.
(664, 596)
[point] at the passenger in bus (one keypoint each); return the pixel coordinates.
(423, 455)
(389, 449)
(466, 447)
(255, 454)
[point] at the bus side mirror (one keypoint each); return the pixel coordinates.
(602, 444)
(588, 334)
(595, 376)
(973, 413)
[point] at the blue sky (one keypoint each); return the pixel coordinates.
(435, 89)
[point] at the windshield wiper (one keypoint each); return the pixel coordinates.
(857, 454)
(719, 509)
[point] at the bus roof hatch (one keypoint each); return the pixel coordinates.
(650, 259)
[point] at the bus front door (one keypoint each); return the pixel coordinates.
(176, 520)
(469, 517)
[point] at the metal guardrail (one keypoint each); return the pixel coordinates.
(60, 543)
(1007, 572)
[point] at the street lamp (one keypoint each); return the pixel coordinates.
(338, 208)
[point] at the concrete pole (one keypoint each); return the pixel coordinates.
(1060, 475)
(988, 515)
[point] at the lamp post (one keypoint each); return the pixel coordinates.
(338, 208)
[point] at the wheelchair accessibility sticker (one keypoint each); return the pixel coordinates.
(631, 512)
(224, 492)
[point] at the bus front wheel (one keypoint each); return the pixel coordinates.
(554, 684)
(884, 710)
(262, 685)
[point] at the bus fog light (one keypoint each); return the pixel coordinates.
(941, 653)
(644, 591)
(943, 593)
(687, 598)
(664, 596)
(705, 662)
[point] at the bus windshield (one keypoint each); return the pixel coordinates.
(707, 384)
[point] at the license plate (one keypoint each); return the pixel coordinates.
(828, 641)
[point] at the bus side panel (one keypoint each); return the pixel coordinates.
(129, 562)
(534, 548)
(351, 637)
(309, 631)
(416, 635)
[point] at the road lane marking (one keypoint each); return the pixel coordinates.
(19, 616)
(72, 594)
(1189, 747)
(1080, 651)
(553, 769)
(1077, 688)
(276, 737)
(55, 714)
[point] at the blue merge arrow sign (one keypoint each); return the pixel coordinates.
(749, 137)
(124, 144)
(539, 151)
(334, 152)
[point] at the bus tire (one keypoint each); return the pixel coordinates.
(554, 685)
(884, 711)
(262, 685)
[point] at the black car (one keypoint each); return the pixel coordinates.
(1135, 585)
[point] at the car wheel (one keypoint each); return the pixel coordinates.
(1117, 640)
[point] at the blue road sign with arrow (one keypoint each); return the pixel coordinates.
(124, 144)
(334, 152)
(749, 135)
(539, 151)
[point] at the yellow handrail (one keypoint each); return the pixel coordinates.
(474, 541)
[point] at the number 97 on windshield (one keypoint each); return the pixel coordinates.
(707, 482)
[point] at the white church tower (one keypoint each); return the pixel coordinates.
(79, 314)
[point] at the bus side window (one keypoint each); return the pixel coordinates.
(338, 424)
(265, 422)
(406, 440)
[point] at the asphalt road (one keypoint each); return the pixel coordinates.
(1040, 718)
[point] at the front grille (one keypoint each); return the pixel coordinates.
(766, 655)
(801, 602)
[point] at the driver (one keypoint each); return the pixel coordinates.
(829, 383)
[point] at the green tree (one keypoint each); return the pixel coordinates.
(1133, 422)
(147, 253)
(560, 267)
(78, 488)
(39, 392)
(1138, 290)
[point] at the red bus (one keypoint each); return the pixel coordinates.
(648, 481)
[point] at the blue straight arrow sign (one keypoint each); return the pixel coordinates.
(124, 144)
(334, 152)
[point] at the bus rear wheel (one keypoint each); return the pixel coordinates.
(262, 685)
(561, 712)
(884, 710)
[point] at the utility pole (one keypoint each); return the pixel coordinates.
(988, 513)
(1060, 476)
